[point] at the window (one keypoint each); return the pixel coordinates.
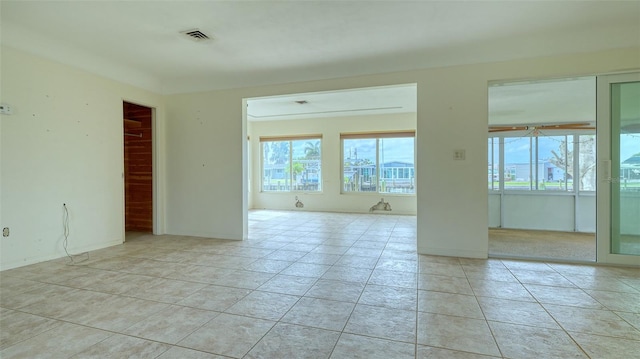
(517, 158)
(543, 163)
(291, 164)
(493, 167)
(378, 162)
(587, 162)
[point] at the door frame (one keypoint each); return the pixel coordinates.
(604, 177)
(157, 224)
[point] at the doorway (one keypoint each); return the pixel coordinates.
(138, 168)
(302, 150)
(542, 169)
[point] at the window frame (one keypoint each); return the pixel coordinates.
(572, 137)
(309, 137)
(377, 136)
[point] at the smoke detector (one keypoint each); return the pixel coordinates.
(196, 35)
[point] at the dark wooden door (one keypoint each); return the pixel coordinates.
(138, 168)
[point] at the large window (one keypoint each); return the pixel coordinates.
(291, 164)
(542, 163)
(378, 162)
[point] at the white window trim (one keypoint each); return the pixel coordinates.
(377, 136)
(265, 139)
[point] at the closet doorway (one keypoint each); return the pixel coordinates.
(138, 168)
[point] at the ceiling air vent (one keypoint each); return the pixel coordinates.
(196, 35)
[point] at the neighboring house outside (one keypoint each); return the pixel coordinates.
(523, 176)
(547, 171)
(630, 172)
(396, 177)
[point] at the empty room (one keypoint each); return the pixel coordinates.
(316, 179)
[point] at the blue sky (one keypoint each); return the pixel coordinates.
(299, 146)
(630, 145)
(517, 149)
(395, 149)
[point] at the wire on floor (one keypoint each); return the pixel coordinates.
(65, 242)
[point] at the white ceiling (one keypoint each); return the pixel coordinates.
(540, 102)
(354, 102)
(570, 100)
(266, 42)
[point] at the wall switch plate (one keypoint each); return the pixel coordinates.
(5, 232)
(459, 155)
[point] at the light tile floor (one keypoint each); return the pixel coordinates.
(314, 285)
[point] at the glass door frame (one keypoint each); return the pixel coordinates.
(604, 177)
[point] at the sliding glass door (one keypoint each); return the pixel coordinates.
(618, 200)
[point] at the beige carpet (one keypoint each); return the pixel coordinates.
(567, 246)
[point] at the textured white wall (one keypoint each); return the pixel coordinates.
(586, 213)
(205, 136)
(544, 211)
(62, 144)
(494, 210)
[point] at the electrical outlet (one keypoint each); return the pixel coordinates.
(5, 232)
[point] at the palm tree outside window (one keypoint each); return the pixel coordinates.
(292, 164)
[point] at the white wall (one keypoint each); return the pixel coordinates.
(62, 144)
(206, 136)
(205, 140)
(494, 210)
(586, 213)
(543, 211)
(539, 211)
(330, 199)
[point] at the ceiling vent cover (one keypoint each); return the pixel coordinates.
(196, 35)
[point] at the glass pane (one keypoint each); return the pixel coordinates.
(493, 166)
(555, 163)
(275, 163)
(306, 165)
(587, 162)
(396, 165)
(517, 163)
(359, 171)
(625, 158)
